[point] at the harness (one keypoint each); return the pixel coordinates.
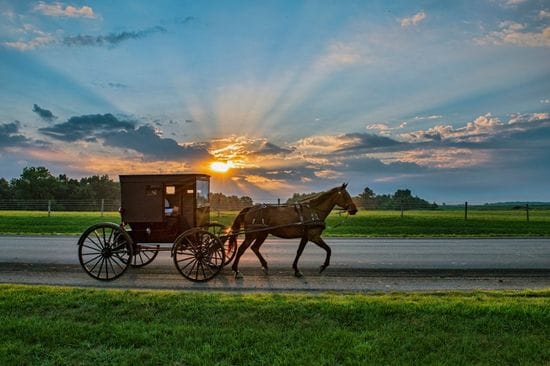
(258, 221)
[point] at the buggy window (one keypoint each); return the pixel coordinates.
(170, 189)
(151, 190)
(203, 187)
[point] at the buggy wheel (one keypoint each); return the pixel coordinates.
(105, 251)
(142, 257)
(221, 231)
(198, 255)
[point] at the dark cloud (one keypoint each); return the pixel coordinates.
(117, 85)
(184, 20)
(10, 137)
(86, 127)
(366, 141)
(271, 149)
(111, 39)
(146, 141)
(113, 132)
(43, 113)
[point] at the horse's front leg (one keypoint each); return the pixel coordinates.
(320, 242)
(242, 248)
(303, 243)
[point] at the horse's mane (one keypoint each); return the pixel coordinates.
(317, 196)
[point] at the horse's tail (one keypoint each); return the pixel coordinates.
(236, 226)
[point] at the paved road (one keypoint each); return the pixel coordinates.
(357, 264)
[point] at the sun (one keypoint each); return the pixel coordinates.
(220, 167)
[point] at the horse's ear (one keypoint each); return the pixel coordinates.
(344, 185)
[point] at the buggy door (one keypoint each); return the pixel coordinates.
(179, 206)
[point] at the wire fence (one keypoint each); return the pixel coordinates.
(520, 210)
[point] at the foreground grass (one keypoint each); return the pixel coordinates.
(52, 325)
(365, 224)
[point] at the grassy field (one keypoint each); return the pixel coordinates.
(365, 224)
(52, 325)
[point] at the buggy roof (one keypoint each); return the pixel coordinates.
(161, 178)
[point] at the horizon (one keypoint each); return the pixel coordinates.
(450, 99)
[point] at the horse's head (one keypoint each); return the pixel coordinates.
(343, 199)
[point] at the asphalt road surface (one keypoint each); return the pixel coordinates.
(357, 264)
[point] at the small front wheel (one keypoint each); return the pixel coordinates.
(105, 251)
(222, 232)
(198, 255)
(143, 256)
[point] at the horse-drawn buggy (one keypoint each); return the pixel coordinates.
(171, 212)
(165, 212)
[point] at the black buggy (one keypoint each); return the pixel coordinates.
(157, 210)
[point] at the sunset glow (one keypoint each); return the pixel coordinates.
(220, 167)
(449, 99)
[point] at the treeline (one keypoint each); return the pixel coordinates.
(368, 200)
(37, 183)
(219, 201)
(401, 199)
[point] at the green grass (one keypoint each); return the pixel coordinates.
(53, 325)
(488, 223)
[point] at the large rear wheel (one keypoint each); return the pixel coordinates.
(198, 255)
(105, 251)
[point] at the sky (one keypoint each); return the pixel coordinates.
(450, 99)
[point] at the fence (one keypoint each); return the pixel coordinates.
(99, 205)
(523, 210)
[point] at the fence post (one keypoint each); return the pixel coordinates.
(49, 208)
(401, 208)
(466, 210)
(527, 211)
(102, 206)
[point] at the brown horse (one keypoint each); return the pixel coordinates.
(305, 220)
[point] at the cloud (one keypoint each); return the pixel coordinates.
(517, 34)
(10, 137)
(413, 19)
(528, 117)
(43, 113)
(86, 127)
(147, 141)
(434, 116)
(382, 128)
(35, 39)
(243, 150)
(482, 127)
(443, 158)
(57, 9)
(108, 130)
(111, 39)
(511, 3)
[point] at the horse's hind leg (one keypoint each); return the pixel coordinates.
(320, 242)
(256, 249)
(303, 243)
(242, 248)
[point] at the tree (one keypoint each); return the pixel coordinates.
(6, 191)
(34, 183)
(366, 199)
(100, 187)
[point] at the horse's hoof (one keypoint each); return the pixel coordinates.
(238, 275)
(322, 268)
(298, 274)
(265, 270)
